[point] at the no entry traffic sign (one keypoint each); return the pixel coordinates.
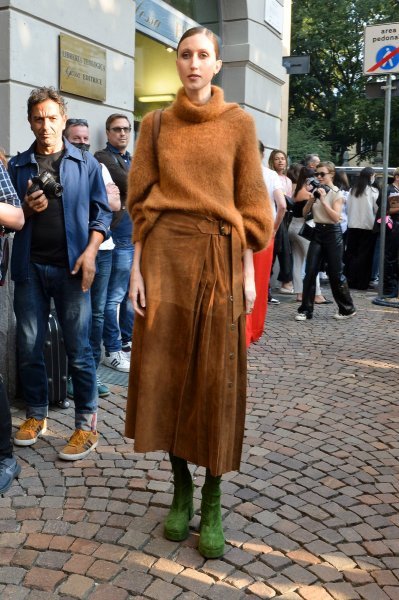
(381, 49)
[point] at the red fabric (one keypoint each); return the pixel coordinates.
(256, 320)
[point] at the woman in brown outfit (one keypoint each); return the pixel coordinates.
(200, 208)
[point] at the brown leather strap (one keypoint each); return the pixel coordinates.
(156, 126)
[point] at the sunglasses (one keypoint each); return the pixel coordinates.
(121, 129)
(76, 122)
(321, 173)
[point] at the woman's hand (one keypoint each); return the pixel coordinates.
(137, 287)
(249, 281)
(322, 195)
(249, 293)
(137, 291)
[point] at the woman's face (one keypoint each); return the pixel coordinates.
(324, 176)
(196, 65)
(279, 162)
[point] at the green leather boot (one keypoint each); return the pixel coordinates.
(182, 509)
(211, 540)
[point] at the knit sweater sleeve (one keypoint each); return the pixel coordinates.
(142, 176)
(251, 196)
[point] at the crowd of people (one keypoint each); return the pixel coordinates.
(331, 230)
(182, 233)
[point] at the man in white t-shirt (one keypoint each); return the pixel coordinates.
(77, 132)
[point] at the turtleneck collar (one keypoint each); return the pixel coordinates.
(198, 113)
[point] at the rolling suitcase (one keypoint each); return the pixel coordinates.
(56, 364)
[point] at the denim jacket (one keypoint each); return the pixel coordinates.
(84, 201)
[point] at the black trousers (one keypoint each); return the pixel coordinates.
(358, 257)
(282, 249)
(391, 260)
(5, 424)
(327, 246)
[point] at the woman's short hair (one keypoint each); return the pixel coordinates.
(209, 34)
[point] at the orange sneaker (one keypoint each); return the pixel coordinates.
(79, 445)
(29, 431)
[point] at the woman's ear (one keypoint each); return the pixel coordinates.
(218, 66)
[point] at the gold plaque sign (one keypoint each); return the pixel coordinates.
(82, 68)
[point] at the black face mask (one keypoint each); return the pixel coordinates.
(81, 146)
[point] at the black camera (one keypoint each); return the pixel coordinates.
(315, 185)
(46, 182)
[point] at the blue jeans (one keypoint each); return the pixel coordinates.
(98, 293)
(118, 288)
(126, 320)
(32, 306)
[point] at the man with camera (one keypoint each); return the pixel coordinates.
(11, 217)
(67, 217)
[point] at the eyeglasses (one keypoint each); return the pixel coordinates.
(76, 122)
(321, 173)
(121, 129)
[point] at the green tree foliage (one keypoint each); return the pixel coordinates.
(331, 97)
(304, 138)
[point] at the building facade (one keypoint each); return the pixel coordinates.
(111, 56)
(57, 43)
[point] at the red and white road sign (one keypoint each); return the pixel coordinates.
(381, 49)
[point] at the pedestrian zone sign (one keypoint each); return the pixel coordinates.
(381, 49)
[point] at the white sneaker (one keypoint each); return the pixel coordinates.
(117, 361)
(302, 317)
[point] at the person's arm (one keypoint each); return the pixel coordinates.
(137, 287)
(249, 280)
(100, 216)
(251, 197)
(143, 174)
(11, 213)
(11, 216)
(113, 193)
(87, 260)
(281, 208)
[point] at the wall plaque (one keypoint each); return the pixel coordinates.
(83, 68)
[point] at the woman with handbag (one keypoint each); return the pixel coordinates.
(299, 244)
(327, 245)
(199, 206)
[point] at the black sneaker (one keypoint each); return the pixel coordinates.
(9, 470)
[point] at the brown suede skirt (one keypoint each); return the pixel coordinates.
(187, 383)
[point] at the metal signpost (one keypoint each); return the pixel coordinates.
(381, 57)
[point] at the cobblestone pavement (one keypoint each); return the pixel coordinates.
(313, 514)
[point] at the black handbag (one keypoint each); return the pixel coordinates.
(307, 230)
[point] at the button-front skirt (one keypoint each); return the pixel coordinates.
(187, 384)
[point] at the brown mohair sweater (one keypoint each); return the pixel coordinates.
(209, 164)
